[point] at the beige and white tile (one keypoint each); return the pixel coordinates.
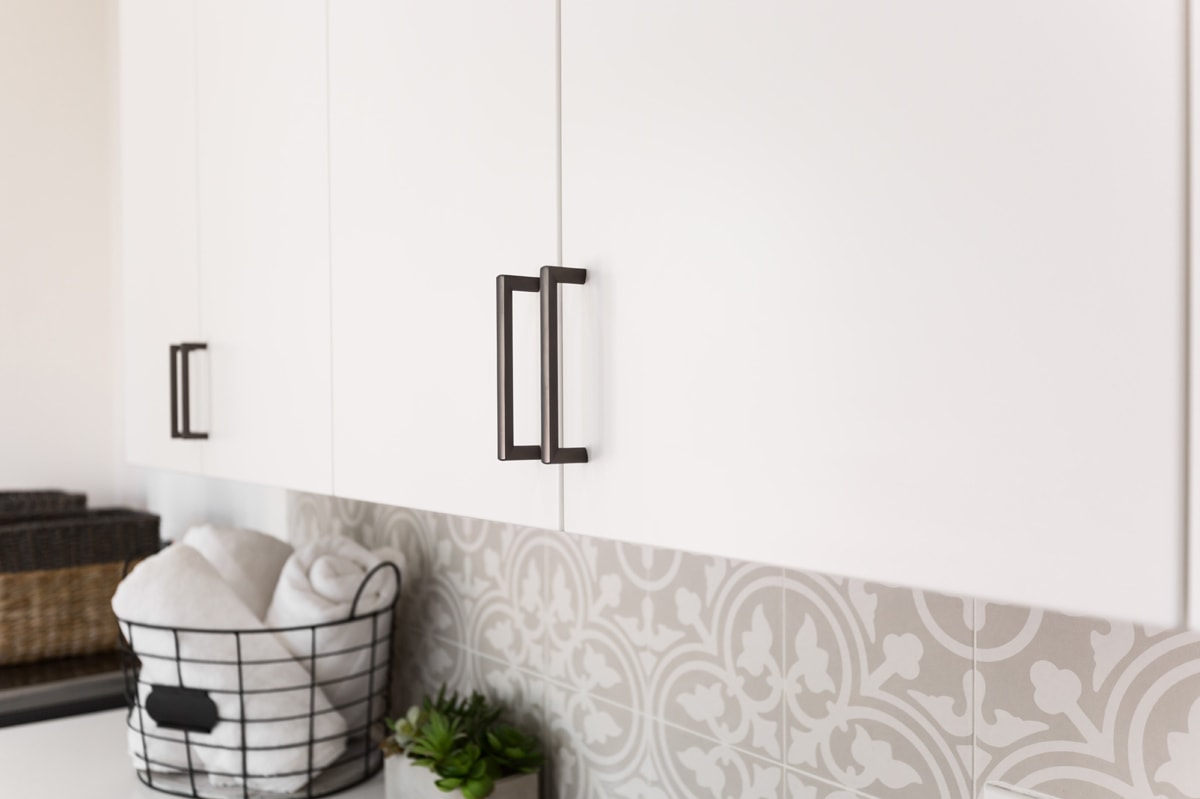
(521, 693)
(694, 765)
(878, 687)
(597, 749)
(591, 607)
(1081, 708)
(805, 786)
(715, 659)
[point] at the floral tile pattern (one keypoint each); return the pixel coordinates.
(694, 765)
(656, 674)
(877, 687)
(597, 749)
(714, 656)
(592, 605)
(1074, 708)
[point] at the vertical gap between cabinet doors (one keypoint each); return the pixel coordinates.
(196, 176)
(1188, 613)
(558, 183)
(329, 231)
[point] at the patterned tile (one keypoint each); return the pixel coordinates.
(804, 786)
(522, 693)
(654, 673)
(714, 652)
(1077, 708)
(308, 516)
(696, 766)
(591, 607)
(465, 579)
(878, 687)
(597, 749)
(438, 662)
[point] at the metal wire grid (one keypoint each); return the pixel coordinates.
(362, 757)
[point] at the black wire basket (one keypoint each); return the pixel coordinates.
(291, 711)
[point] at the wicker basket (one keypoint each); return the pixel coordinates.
(17, 505)
(57, 576)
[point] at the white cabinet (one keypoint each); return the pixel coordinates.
(886, 290)
(225, 226)
(444, 175)
(890, 290)
(263, 166)
(159, 267)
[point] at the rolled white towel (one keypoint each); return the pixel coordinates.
(318, 584)
(248, 560)
(179, 588)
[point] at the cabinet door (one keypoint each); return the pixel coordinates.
(159, 278)
(444, 175)
(887, 290)
(264, 239)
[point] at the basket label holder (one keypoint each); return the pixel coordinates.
(187, 709)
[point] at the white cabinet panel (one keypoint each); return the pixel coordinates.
(264, 239)
(444, 175)
(884, 290)
(160, 303)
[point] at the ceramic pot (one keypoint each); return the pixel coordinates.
(403, 780)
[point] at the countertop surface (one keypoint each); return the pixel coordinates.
(84, 757)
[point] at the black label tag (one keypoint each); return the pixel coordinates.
(181, 708)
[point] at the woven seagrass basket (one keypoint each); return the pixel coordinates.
(57, 577)
(17, 505)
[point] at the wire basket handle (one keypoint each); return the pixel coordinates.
(367, 579)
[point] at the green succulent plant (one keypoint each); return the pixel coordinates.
(462, 741)
(514, 751)
(436, 740)
(466, 770)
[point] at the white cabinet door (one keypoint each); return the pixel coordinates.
(264, 239)
(159, 278)
(888, 290)
(444, 175)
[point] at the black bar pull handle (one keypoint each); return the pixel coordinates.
(181, 383)
(506, 449)
(552, 449)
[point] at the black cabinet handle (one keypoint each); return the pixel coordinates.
(506, 449)
(552, 449)
(179, 353)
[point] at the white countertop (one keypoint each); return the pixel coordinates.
(84, 757)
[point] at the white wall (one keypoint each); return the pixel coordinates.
(60, 420)
(182, 500)
(58, 354)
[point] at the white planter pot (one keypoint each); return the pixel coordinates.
(403, 780)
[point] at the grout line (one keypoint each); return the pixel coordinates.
(1186, 544)
(974, 705)
(196, 166)
(558, 184)
(329, 231)
(755, 755)
(785, 665)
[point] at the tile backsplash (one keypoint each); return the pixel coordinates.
(655, 673)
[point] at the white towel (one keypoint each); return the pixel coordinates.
(179, 588)
(248, 560)
(318, 585)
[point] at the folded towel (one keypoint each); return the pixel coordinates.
(248, 561)
(318, 584)
(179, 588)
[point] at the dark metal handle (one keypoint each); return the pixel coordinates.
(180, 352)
(506, 449)
(552, 449)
